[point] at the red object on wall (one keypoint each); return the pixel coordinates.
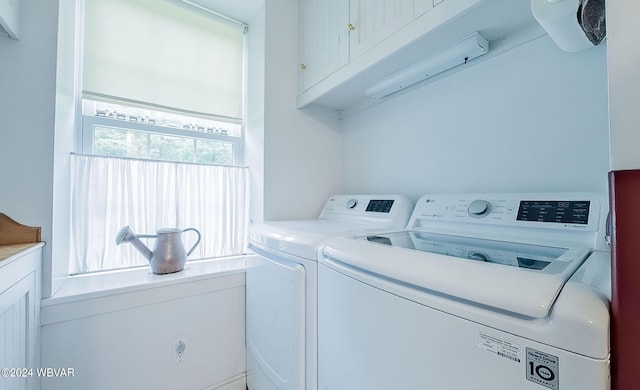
(624, 200)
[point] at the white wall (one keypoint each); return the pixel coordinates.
(254, 129)
(27, 96)
(66, 102)
(302, 153)
(532, 119)
(624, 83)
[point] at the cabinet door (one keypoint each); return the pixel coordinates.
(323, 35)
(18, 332)
(422, 6)
(374, 20)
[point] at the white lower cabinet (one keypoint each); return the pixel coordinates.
(177, 332)
(19, 319)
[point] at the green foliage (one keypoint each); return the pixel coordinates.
(214, 152)
(120, 142)
(140, 144)
(172, 148)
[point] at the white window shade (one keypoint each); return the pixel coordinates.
(161, 54)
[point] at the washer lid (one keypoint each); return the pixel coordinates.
(533, 257)
(524, 290)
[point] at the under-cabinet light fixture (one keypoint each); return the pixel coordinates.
(463, 51)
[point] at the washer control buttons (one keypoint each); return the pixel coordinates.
(479, 208)
(352, 203)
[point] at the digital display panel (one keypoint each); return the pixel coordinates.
(380, 206)
(574, 212)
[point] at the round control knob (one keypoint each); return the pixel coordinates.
(352, 203)
(479, 208)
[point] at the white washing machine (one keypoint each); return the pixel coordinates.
(482, 291)
(282, 285)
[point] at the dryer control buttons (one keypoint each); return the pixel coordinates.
(479, 208)
(352, 203)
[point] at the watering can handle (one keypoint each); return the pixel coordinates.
(197, 241)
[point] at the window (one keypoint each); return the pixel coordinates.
(117, 130)
(162, 104)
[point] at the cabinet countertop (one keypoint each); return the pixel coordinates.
(12, 251)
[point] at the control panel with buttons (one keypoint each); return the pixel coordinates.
(576, 211)
(378, 209)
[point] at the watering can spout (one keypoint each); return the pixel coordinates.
(127, 235)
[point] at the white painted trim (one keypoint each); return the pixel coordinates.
(238, 382)
(66, 139)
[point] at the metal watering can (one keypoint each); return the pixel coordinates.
(168, 254)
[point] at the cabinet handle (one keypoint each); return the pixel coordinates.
(351, 27)
(303, 66)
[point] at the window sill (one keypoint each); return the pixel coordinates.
(93, 294)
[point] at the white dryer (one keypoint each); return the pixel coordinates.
(282, 285)
(482, 291)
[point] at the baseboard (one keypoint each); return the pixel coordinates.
(238, 382)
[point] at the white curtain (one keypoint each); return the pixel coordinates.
(109, 193)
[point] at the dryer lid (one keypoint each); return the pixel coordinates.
(300, 238)
(341, 215)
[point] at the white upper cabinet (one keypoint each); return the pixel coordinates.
(323, 39)
(346, 46)
(371, 21)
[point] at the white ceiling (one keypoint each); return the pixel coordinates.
(241, 10)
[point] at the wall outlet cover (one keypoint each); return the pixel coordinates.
(179, 349)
